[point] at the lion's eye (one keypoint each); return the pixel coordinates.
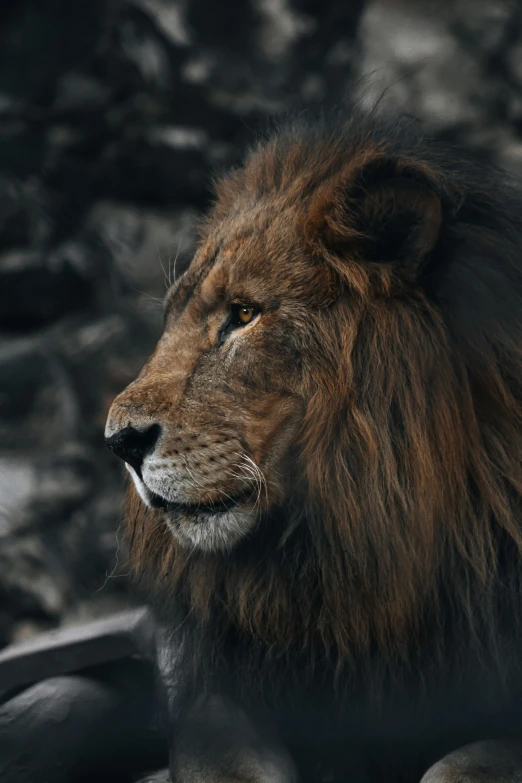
(241, 314)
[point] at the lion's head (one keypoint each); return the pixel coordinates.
(331, 421)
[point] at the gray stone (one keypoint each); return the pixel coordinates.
(73, 649)
(34, 293)
(99, 725)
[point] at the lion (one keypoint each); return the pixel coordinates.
(325, 454)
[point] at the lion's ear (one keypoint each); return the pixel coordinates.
(387, 212)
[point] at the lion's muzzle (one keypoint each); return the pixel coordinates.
(204, 481)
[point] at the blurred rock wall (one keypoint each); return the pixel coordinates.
(114, 114)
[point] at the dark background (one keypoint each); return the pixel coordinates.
(113, 116)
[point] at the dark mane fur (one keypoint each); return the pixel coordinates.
(403, 529)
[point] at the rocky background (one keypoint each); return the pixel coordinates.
(114, 115)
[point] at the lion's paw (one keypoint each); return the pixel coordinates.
(482, 762)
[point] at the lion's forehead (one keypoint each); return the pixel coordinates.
(256, 256)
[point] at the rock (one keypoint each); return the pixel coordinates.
(413, 50)
(150, 248)
(400, 40)
(154, 172)
(514, 61)
(54, 36)
(22, 216)
(6, 627)
(72, 649)
(99, 725)
(33, 582)
(485, 23)
(36, 406)
(35, 292)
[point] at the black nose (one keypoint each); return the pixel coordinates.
(132, 445)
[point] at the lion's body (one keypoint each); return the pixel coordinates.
(369, 617)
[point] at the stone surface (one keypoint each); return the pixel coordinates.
(97, 725)
(72, 649)
(35, 291)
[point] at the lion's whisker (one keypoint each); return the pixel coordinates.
(166, 279)
(172, 279)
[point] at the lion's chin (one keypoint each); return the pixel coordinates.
(211, 532)
(214, 528)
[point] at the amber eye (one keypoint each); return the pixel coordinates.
(245, 314)
(241, 314)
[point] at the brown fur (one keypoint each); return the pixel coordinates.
(406, 467)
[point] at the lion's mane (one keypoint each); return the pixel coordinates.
(403, 530)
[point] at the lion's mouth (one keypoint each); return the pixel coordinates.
(195, 509)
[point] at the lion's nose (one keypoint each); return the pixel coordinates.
(132, 445)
